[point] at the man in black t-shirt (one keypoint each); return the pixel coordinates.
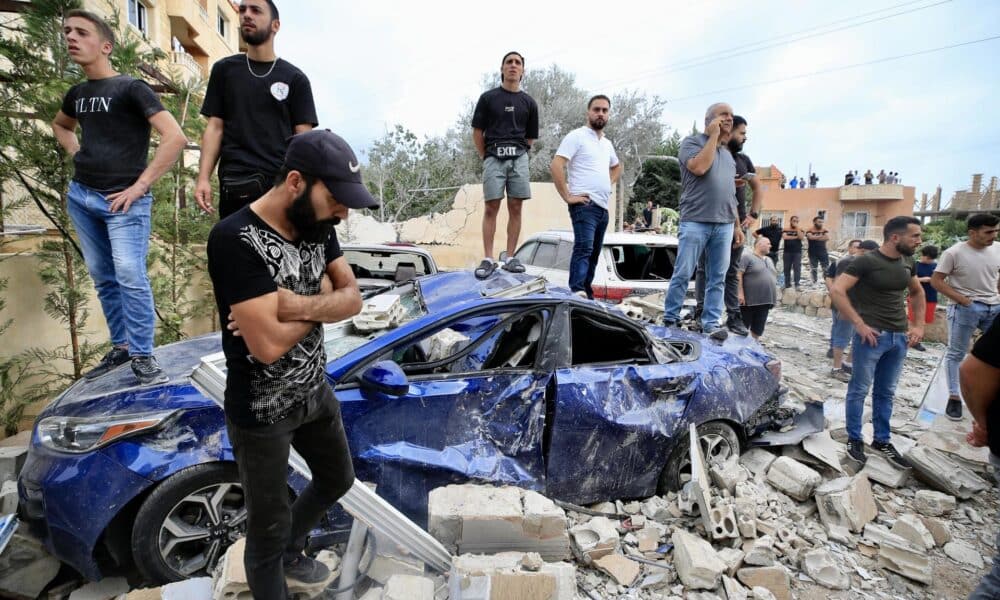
(771, 231)
(819, 257)
(254, 103)
(791, 253)
(504, 126)
(108, 200)
(279, 274)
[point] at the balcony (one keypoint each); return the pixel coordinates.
(188, 21)
(186, 66)
(871, 193)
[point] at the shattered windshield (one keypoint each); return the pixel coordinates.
(379, 313)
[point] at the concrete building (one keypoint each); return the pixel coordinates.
(851, 211)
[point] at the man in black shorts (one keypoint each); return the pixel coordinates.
(279, 274)
(504, 126)
(254, 103)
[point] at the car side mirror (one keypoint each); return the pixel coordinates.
(386, 379)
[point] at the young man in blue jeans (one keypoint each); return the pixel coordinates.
(969, 275)
(871, 294)
(109, 200)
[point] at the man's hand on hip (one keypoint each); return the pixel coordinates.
(121, 201)
(578, 200)
(867, 334)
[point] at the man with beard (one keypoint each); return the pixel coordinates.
(871, 294)
(708, 218)
(254, 103)
(279, 274)
(593, 168)
(745, 175)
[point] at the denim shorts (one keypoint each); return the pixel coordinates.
(506, 175)
(841, 333)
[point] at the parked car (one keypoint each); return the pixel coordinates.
(497, 381)
(630, 264)
(380, 266)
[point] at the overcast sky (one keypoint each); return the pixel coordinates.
(932, 117)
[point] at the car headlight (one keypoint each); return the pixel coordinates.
(83, 434)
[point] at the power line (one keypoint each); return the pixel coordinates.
(767, 44)
(836, 69)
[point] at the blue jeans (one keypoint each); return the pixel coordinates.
(989, 585)
(877, 368)
(716, 241)
(589, 224)
(963, 321)
(114, 248)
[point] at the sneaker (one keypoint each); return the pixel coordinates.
(718, 334)
(840, 375)
(581, 294)
(737, 327)
(891, 454)
(856, 450)
(847, 368)
(829, 353)
(919, 347)
(513, 265)
(485, 268)
(117, 356)
(694, 326)
(147, 370)
(305, 570)
(954, 408)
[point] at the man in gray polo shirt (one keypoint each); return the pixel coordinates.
(708, 220)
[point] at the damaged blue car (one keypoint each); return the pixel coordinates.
(443, 379)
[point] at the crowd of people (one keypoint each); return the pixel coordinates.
(852, 177)
(278, 271)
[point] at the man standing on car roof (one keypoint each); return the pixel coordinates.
(279, 274)
(504, 126)
(584, 171)
(253, 104)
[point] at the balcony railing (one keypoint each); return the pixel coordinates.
(189, 67)
(877, 191)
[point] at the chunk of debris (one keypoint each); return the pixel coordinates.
(761, 552)
(657, 509)
(939, 529)
(8, 498)
(733, 559)
(912, 529)
(621, 569)
(11, 460)
(596, 538)
(697, 564)
(723, 522)
(774, 579)
(386, 310)
(943, 473)
(963, 553)
(880, 470)
(757, 460)
(822, 567)
(648, 538)
(105, 589)
(822, 447)
(734, 589)
(389, 560)
(933, 504)
(699, 487)
(408, 587)
(846, 502)
(230, 578)
(793, 478)
(900, 556)
(484, 519)
(727, 474)
(501, 576)
(25, 567)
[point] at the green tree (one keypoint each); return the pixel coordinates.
(945, 233)
(659, 181)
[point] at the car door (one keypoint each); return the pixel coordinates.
(474, 409)
(616, 411)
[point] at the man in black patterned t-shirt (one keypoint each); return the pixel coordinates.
(279, 274)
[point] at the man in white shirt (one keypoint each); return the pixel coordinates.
(593, 169)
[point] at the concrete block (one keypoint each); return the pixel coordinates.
(747, 524)
(899, 556)
(230, 578)
(774, 579)
(8, 498)
(648, 539)
(727, 475)
(757, 460)
(822, 447)
(965, 554)
(621, 569)
(542, 518)
(11, 460)
(913, 530)
(385, 566)
(408, 587)
(723, 521)
(733, 559)
(821, 566)
(793, 478)
(696, 562)
(939, 530)
(880, 470)
(733, 589)
(105, 589)
(595, 538)
(700, 486)
(846, 502)
(386, 310)
(933, 504)
(686, 500)
(479, 577)
(943, 473)
(25, 567)
(761, 552)
(657, 509)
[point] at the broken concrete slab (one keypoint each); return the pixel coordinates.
(939, 529)
(728, 474)
(758, 460)
(733, 559)
(793, 478)
(912, 529)
(880, 470)
(943, 473)
(774, 579)
(25, 567)
(700, 487)
(657, 509)
(595, 538)
(822, 447)
(502, 576)
(846, 502)
(105, 589)
(8, 498)
(900, 556)
(823, 568)
(733, 589)
(11, 460)
(648, 539)
(230, 578)
(621, 569)
(933, 504)
(408, 587)
(965, 554)
(761, 552)
(484, 519)
(697, 564)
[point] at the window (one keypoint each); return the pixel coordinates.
(376, 264)
(526, 252)
(637, 262)
(564, 255)
(545, 256)
(854, 225)
(137, 16)
(222, 25)
(598, 339)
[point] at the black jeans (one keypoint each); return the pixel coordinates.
(792, 262)
(816, 259)
(732, 293)
(275, 530)
(237, 192)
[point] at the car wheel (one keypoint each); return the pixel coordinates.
(186, 524)
(719, 443)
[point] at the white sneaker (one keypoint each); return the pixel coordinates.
(581, 294)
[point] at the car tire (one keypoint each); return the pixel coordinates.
(719, 441)
(194, 514)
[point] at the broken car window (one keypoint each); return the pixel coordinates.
(600, 339)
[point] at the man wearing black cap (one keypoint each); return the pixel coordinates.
(279, 274)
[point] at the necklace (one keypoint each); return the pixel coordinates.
(249, 68)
